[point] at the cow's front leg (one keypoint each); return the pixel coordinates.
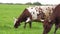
(27, 21)
(30, 24)
(25, 25)
(47, 27)
(56, 28)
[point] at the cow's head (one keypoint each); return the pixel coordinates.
(16, 23)
(22, 18)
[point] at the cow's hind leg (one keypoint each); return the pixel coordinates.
(57, 24)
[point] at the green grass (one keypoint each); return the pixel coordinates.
(7, 12)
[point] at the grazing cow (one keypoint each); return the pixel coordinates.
(33, 14)
(29, 14)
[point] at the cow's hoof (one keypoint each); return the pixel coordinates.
(15, 27)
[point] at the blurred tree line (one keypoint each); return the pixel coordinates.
(28, 3)
(35, 3)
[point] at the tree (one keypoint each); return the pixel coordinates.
(37, 3)
(29, 3)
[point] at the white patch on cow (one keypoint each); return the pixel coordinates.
(28, 19)
(15, 21)
(33, 12)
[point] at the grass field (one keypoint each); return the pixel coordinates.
(7, 12)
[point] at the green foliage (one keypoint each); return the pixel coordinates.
(37, 3)
(29, 3)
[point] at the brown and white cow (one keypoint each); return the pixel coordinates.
(28, 15)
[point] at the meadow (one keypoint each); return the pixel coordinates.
(7, 14)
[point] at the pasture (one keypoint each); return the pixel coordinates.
(7, 14)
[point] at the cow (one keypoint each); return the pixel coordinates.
(29, 14)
